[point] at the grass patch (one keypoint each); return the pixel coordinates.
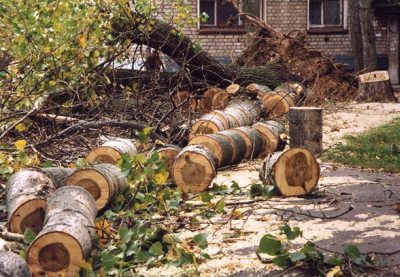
(377, 149)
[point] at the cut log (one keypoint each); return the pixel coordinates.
(271, 132)
(208, 124)
(183, 100)
(294, 172)
(293, 87)
(220, 100)
(103, 181)
(219, 146)
(168, 153)
(66, 238)
(239, 116)
(13, 265)
(238, 145)
(205, 102)
(257, 89)
(255, 143)
(279, 102)
(111, 151)
(305, 128)
(251, 108)
(233, 89)
(58, 175)
(194, 169)
(227, 119)
(27, 192)
(375, 86)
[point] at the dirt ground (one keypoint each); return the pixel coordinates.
(366, 199)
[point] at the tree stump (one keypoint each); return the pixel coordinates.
(255, 143)
(219, 146)
(103, 181)
(168, 153)
(305, 128)
(375, 86)
(27, 191)
(194, 169)
(294, 172)
(13, 265)
(271, 131)
(111, 151)
(66, 238)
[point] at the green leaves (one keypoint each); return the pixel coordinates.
(291, 233)
(29, 236)
(201, 240)
(260, 190)
(156, 249)
(270, 245)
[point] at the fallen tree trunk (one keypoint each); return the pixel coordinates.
(66, 238)
(294, 172)
(103, 181)
(12, 264)
(111, 151)
(27, 192)
(185, 52)
(194, 169)
(271, 131)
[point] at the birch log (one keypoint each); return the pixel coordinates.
(111, 151)
(13, 265)
(67, 235)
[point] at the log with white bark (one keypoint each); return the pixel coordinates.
(294, 172)
(13, 265)
(27, 191)
(279, 101)
(194, 169)
(239, 145)
(67, 235)
(375, 86)
(305, 128)
(256, 89)
(103, 181)
(111, 151)
(271, 131)
(58, 175)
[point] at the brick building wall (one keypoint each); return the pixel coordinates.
(286, 16)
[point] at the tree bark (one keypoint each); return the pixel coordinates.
(355, 35)
(12, 264)
(393, 48)
(368, 35)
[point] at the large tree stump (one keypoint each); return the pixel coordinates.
(27, 192)
(111, 151)
(305, 128)
(219, 146)
(375, 86)
(294, 172)
(103, 181)
(66, 238)
(271, 131)
(168, 153)
(13, 265)
(255, 143)
(194, 169)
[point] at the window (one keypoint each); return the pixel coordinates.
(223, 15)
(327, 15)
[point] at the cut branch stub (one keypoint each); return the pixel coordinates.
(233, 89)
(27, 192)
(255, 143)
(66, 238)
(194, 169)
(168, 153)
(219, 146)
(111, 151)
(256, 89)
(238, 145)
(294, 172)
(103, 181)
(271, 132)
(12, 264)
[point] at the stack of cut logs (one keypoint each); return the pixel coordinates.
(61, 204)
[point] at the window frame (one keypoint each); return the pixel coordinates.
(328, 28)
(217, 28)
